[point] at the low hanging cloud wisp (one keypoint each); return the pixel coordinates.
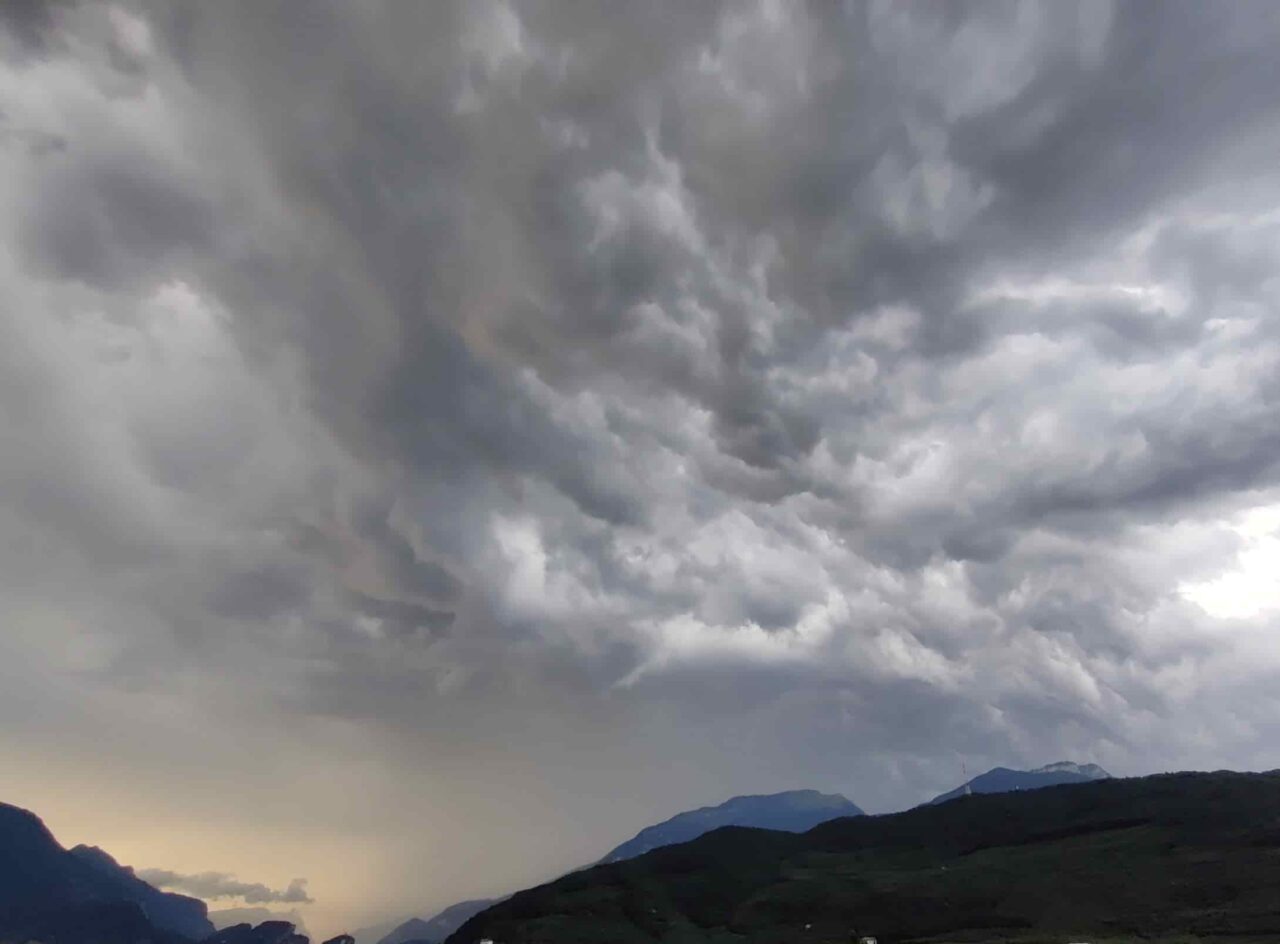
(212, 885)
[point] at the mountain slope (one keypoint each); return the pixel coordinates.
(90, 922)
(793, 811)
(440, 926)
(412, 930)
(790, 811)
(373, 933)
(187, 916)
(38, 876)
(1005, 780)
(1153, 857)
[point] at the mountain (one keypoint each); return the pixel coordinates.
(1004, 780)
(793, 811)
(1150, 858)
(39, 877)
(186, 916)
(438, 927)
(374, 933)
(88, 922)
(226, 917)
(267, 932)
(272, 931)
(415, 929)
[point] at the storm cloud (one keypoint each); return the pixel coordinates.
(495, 426)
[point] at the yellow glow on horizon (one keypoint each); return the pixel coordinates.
(342, 871)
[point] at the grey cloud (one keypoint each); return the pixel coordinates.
(221, 885)
(29, 21)
(405, 618)
(542, 393)
(257, 594)
(39, 143)
(95, 223)
(402, 564)
(644, 205)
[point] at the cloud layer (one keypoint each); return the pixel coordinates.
(214, 885)
(493, 425)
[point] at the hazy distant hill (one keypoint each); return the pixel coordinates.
(39, 878)
(1156, 858)
(790, 811)
(793, 811)
(438, 927)
(1004, 780)
(373, 933)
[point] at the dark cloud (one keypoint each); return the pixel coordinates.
(98, 225)
(28, 21)
(538, 397)
(257, 594)
(404, 618)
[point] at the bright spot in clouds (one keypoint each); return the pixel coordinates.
(1252, 585)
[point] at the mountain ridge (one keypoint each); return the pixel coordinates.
(224, 918)
(438, 926)
(788, 810)
(1152, 857)
(1007, 779)
(37, 873)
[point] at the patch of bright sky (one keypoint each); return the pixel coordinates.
(1253, 586)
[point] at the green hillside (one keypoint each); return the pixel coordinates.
(1173, 857)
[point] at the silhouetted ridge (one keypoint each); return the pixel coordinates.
(187, 916)
(94, 922)
(268, 932)
(255, 914)
(43, 884)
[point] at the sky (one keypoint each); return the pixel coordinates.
(438, 440)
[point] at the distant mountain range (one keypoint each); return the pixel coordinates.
(793, 811)
(1004, 780)
(57, 895)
